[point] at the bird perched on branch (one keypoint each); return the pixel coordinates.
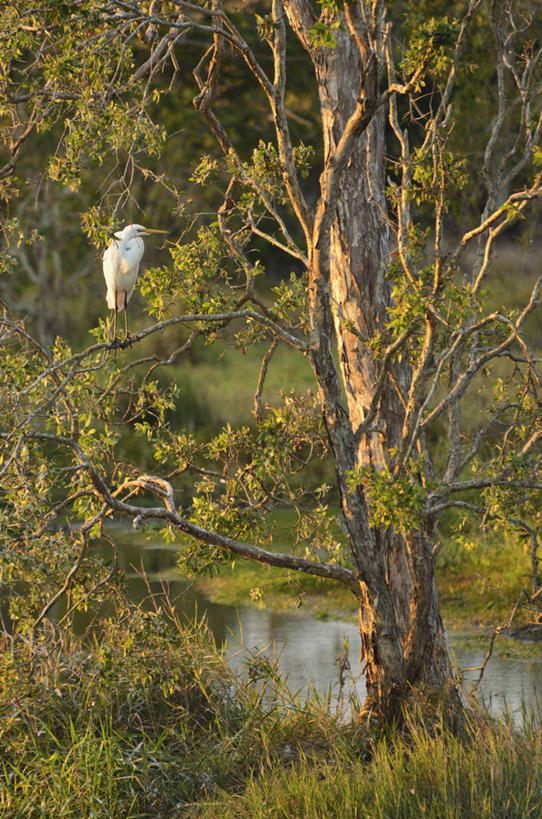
(121, 266)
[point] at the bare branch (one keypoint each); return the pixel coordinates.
(261, 379)
(281, 123)
(168, 513)
(507, 212)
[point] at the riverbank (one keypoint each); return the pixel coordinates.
(151, 721)
(479, 585)
(478, 591)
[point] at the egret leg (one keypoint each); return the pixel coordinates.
(126, 333)
(113, 343)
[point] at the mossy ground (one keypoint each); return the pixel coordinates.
(279, 589)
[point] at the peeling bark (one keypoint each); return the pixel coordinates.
(402, 637)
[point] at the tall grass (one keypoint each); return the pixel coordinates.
(149, 721)
(488, 771)
(142, 722)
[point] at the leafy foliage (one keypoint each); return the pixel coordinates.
(94, 101)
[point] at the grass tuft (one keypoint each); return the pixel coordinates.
(488, 770)
(143, 722)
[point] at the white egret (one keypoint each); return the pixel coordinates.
(121, 266)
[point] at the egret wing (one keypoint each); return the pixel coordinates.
(111, 270)
(130, 258)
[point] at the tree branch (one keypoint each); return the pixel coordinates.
(261, 379)
(211, 318)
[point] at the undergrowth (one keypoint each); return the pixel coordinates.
(146, 719)
(143, 719)
(488, 771)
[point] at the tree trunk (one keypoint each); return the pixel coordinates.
(403, 644)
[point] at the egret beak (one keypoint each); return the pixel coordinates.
(154, 230)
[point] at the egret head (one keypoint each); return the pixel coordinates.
(135, 231)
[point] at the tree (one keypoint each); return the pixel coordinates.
(385, 300)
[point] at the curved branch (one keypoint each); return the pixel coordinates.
(515, 200)
(169, 513)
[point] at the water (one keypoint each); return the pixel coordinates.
(307, 649)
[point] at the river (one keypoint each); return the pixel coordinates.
(306, 648)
